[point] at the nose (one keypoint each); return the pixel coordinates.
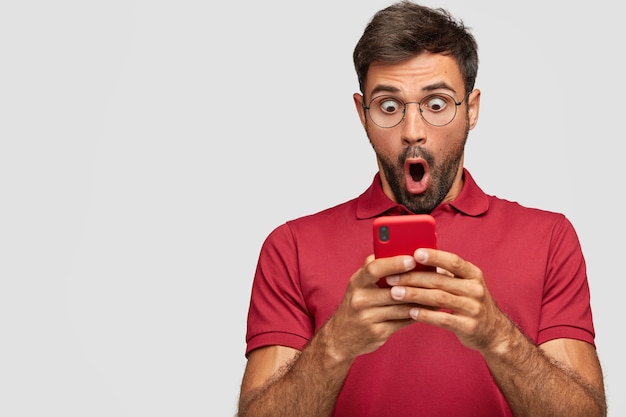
(413, 126)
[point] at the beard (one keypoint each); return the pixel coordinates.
(442, 175)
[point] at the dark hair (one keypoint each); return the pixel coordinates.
(406, 29)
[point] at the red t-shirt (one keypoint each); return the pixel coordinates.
(531, 260)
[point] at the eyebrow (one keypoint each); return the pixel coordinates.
(432, 87)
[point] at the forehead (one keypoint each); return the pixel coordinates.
(418, 75)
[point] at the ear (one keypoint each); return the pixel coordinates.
(473, 106)
(358, 102)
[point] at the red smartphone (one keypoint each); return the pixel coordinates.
(402, 235)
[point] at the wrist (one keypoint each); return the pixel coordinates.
(329, 349)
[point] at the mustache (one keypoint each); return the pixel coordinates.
(415, 152)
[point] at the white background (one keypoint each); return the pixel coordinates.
(148, 147)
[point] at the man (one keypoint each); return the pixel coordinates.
(504, 326)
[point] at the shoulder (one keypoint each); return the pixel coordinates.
(531, 221)
(338, 216)
(513, 208)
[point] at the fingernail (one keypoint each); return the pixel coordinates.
(398, 292)
(421, 255)
(393, 279)
(414, 312)
(409, 262)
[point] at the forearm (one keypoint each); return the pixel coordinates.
(536, 385)
(308, 386)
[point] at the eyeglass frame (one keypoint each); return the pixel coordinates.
(419, 107)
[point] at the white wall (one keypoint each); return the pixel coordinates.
(148, 147)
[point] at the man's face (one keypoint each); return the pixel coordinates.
(420, 164)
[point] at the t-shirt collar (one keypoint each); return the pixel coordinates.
(471, 201)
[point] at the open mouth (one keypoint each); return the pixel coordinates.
(417, 171)
(416, 175)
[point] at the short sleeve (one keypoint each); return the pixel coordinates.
(278, 314)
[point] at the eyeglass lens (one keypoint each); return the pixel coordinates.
(436, 109)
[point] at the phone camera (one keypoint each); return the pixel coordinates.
(383, 233)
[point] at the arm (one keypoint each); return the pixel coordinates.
(282, 381)
(561, 378)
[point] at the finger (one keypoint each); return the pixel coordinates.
(433, 298)
(394, 313)
(438, 318)
(374, 269)
(450, 262)
(442, 280)
(463, 297)
(372, 305)
(364, 299)
(445, 272)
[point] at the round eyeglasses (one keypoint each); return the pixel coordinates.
(436, 109)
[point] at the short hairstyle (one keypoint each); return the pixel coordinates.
(405, 29)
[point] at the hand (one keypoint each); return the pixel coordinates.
(367, 315)
(455, 298)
